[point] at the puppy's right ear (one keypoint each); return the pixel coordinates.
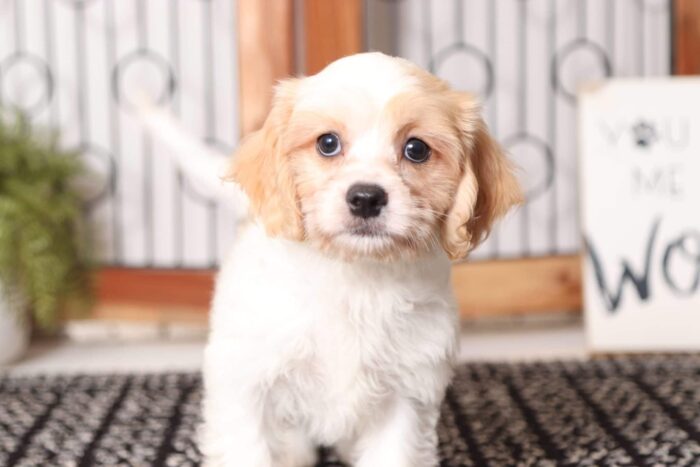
(263, 170)
(499, 189)
(488, 188)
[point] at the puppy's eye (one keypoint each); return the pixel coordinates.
(416, 150)
(328, 145)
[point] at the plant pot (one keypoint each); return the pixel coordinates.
(14, 327)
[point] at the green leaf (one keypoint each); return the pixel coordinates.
(41, 215)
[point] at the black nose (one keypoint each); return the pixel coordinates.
(366, 200)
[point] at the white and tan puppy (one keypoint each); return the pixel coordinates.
(333, 321)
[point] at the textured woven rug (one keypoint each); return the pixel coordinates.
(622, 412)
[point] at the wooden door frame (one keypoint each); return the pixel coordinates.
(686, 37)
(334, 28)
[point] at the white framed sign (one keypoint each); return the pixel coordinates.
(639, 151)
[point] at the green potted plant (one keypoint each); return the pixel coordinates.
(43, 264)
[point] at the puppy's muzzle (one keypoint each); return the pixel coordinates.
(366, 200)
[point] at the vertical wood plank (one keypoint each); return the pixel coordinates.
(686, 23)
(265, 55)
(332, 29)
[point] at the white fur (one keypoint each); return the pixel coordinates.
(308, 349)
(204, 165)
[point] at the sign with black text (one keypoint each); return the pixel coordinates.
(640, 202)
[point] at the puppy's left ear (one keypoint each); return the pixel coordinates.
(488, 188)
(264, 171)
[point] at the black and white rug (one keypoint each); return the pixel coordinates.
(622, 412)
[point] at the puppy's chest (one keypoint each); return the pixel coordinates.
(357, 341)
(341, 373)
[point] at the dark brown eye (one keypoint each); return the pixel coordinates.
(328, 145)
(415, 150)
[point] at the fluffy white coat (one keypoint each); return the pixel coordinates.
(331, 329)
(308, 350)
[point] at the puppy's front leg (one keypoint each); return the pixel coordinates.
(404, 436)
(232, 434)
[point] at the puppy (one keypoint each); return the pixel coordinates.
(333, 321)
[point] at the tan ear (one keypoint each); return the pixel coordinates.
(264, 171)
(487, 190)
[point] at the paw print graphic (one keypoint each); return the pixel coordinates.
(644, 134)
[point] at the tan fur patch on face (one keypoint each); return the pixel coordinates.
(451, 199)
(420, 194)
(263, 170)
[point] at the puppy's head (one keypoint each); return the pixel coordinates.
(374, 157)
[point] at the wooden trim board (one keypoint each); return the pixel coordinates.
(485, 288)
(152, 295)
(149, 289)
(510, 287)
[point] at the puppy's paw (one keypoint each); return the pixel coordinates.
(219, 451)
(238, 459)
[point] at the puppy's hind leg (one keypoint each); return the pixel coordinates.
(292, 448)
(403, 436)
